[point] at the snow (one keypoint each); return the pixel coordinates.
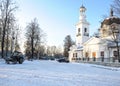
(52, 73)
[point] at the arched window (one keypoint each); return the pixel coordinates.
(102, 53)
(85, 30)
(73, 54)
(78, 30)
(115, 53)
(76, 54)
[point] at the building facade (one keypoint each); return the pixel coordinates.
(101, 47)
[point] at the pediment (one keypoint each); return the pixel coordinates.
(93, 40)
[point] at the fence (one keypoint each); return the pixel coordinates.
(100, 59)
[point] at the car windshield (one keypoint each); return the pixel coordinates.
(16, 53)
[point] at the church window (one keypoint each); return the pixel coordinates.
(102, 56)
(85, 30)
(73, 54)
(78, 30)
(78, 34)
(102, 53)
(76, 54)
(115, 53)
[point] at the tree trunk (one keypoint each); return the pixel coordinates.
(32, 49)
(3, 36)
(7, 42)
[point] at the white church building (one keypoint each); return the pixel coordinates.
(100, 48)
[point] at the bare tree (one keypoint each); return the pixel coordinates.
(54, 51)
(9, 30)
(67, 44)
(17, 34)
(48, 51)
(28, 48)
(58, 52)
(35, 36)
(7, 7)
(115, 31)
(40, 51)
(116, 7)
(51, 50)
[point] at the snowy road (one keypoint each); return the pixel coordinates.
(52, 73)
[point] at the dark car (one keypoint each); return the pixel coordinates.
(63, 60)
(15, 57)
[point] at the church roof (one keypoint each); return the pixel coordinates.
(110, 20)
(92, 40)
(82, 7)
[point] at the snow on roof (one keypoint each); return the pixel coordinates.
(111, 17)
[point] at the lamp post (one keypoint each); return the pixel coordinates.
(115, 34)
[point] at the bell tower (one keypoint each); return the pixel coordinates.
(82, 28)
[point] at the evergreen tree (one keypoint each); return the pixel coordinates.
(67, 44)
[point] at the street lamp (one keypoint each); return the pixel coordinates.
(115, 33)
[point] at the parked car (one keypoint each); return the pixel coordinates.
(63, 60)
(15, 57)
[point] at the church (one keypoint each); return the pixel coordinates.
(99, 48)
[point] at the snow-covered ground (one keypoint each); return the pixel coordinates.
(52, 73)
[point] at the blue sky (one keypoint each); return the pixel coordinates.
(57, 18)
